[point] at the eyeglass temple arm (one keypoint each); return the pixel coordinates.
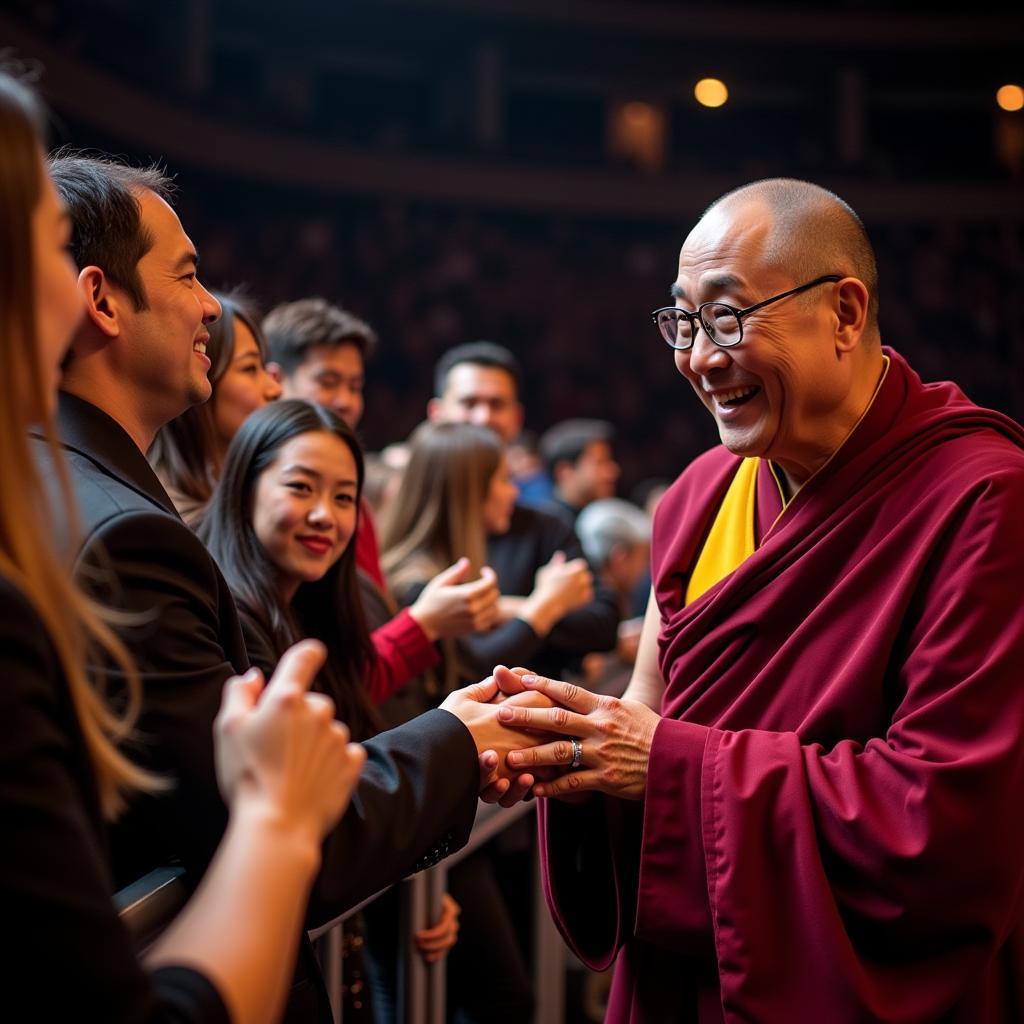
(792, 291)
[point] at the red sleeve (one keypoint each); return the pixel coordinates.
(403, 651)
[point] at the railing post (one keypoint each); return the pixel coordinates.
(437, 883)
(412, 987)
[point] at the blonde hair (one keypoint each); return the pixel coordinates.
(436, 516)
(76, 626)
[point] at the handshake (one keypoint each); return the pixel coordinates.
(281, 756)
(542, 737)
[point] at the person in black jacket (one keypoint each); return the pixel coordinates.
(285, 767)
(137, 362)
(479, 383)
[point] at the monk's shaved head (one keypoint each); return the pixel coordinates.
(813, 232)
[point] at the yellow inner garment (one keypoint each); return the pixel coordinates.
(731, 540)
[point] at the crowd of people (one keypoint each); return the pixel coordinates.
(773, 718)
(200, 470)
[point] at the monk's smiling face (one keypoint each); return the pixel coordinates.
(780, 393)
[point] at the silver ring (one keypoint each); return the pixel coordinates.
(577, 753)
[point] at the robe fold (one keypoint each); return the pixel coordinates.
(832, 829)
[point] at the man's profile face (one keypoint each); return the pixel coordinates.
(773, 393)
(162, 354)
(481, 395)
(331, 376)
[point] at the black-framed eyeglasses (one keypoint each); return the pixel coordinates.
(723, 323)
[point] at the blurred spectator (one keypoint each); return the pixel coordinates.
(578, 457)
(616, 538)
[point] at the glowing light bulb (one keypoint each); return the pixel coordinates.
(710, 92)
(1010, 97)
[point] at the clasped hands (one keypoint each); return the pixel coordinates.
(524, 726)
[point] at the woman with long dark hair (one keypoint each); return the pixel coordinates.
(284, 766)
(281, 525)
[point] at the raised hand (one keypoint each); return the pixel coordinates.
(279, 750)
(615, 737)
(560, 587)
(449, 607)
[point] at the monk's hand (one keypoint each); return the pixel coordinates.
(615, 738)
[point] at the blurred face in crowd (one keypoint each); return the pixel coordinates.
(304, 510)
(500, 501)
(58, 302)
(162, 350)
(332, 376)
(244, 387)
(777, 394)
(592, 476)
(482, 395)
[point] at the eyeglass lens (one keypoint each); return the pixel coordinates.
(720, 321)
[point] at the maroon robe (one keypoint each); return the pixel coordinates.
(832, 829)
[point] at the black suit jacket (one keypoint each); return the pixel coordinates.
(417, 796)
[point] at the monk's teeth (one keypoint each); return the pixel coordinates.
(736, 396)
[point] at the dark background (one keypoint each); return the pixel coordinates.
(456, 169)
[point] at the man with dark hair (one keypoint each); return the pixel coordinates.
(109, 231)
(579, 459)
(321, 352)
(811, 807)
(479, 383)
(139, 361)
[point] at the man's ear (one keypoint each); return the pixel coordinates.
(275, 371)
(435, 410)
(851, 310)
(104, 306)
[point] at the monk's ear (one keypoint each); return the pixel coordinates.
(851, 311)
(104, 304)
(435, 410)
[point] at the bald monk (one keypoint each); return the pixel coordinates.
(809, 804)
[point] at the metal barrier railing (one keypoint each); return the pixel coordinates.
(148, 905)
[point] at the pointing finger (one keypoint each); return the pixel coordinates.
(298, 667)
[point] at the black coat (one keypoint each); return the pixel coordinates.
(66, 954)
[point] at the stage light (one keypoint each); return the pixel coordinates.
(1010, 97)
(710, 92)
